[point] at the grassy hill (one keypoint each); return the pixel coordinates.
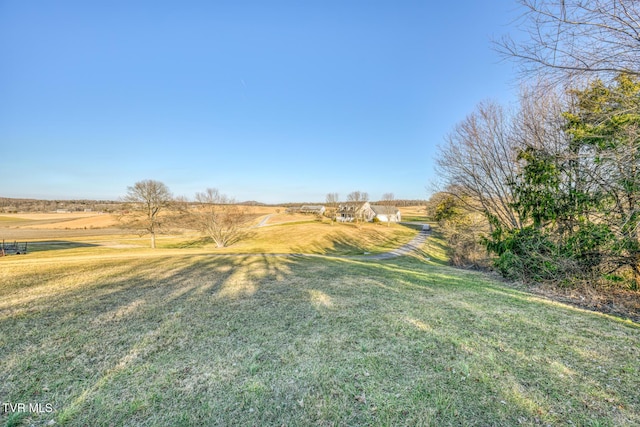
(110, 336)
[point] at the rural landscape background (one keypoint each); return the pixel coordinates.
(321, 214)
(107, 331)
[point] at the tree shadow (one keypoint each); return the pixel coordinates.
(190, 333)
(56, 245)
(343, 244)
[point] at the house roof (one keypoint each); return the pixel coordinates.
(352, 206)
(384, 210)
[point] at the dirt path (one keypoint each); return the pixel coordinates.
(264, 220)
(415, 244)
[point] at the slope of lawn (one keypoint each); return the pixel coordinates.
(309, 237)
(200, 339)
(314, 237)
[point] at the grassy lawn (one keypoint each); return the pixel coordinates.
(414, 214)
(166, 337)
(324, 238)
(10, 219)
(309, 237)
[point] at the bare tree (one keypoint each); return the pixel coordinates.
(539, 121)
(219, 217)
(355, 200)
(479, 160)
(540, 126)
(332, 201)
(572, 38)
(149, 198)
(358, 197)
(388, 201)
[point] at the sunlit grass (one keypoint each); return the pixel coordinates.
(435, 248)
(310, 237)
(144, 337)
(414, 214)
(10, 219)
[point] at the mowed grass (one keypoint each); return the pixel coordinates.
(4, 218)
(308, 237)
(414, 213)
(158, 338)
(315, 237)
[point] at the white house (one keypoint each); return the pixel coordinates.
(349, 212)
(386, 213)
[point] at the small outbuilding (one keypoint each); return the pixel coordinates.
(307, 209)
(312, 209)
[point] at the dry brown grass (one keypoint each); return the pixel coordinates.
(414, 213)
(94, 221)
(49, 226)
(53, 221)
(308, 238)
(265, 210)
(324, 238)
(279, 218)
(49, 216)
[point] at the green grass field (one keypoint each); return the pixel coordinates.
(108, 336)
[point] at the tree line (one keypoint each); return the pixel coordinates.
(15, 205)
(549, 190)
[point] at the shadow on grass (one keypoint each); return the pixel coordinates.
(206, 241)
(342, 243)
(271, 340)
(55, 245)
(190, 244)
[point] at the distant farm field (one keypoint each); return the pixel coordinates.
(103, 331)
(281, 233)
(40, 226)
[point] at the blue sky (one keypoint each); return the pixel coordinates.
(272, 101)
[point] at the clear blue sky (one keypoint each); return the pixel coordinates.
(272, 101)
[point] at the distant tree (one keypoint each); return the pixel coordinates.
(355, 199)
(332, 200)
(358, 197)
(219, 217)
(388, 200)
(149, 198)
